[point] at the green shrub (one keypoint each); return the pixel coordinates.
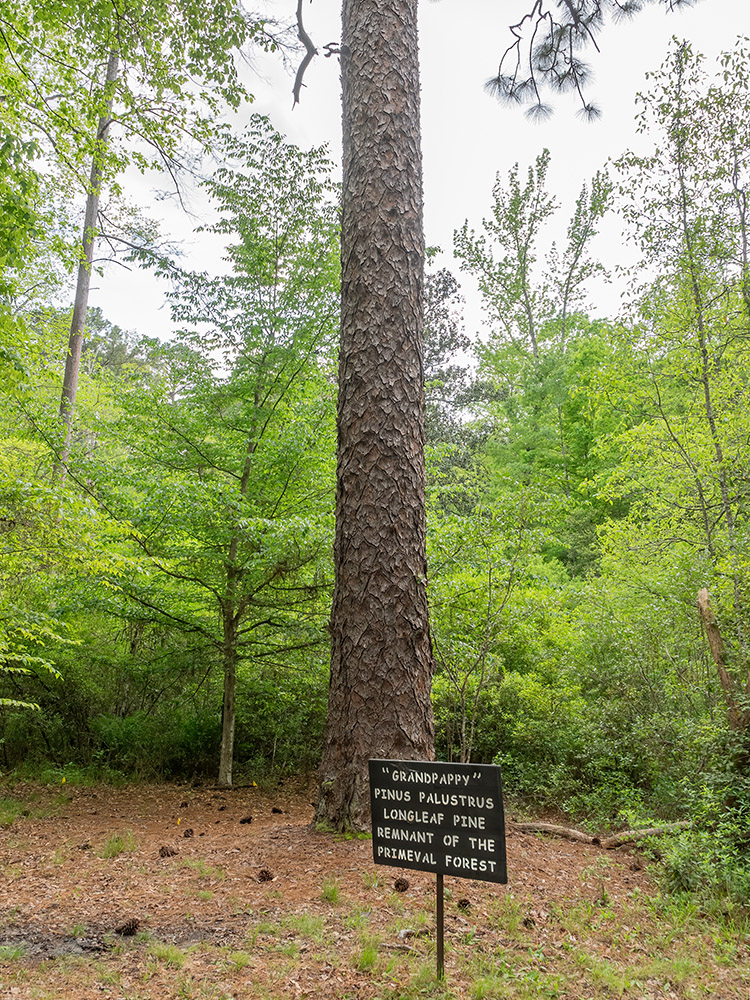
(174, 744)
(533, 729)
(712, 858)
(595, 757)
(281, 719)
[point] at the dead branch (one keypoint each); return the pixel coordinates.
(616, 840)
(310, 54)
(557, 831)
(629, 836)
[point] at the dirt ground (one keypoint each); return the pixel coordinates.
(174, 891)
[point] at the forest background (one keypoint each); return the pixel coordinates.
(588, 477)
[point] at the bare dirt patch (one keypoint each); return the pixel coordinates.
(173, 891)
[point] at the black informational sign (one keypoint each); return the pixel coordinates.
(437, 817)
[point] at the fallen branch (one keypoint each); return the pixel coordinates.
(628, 836)
(557, 831)
(616, 840)
(223, 788)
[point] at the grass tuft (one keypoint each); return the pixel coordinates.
(10, 810)
(167, 954)
(331, 892)
(119, 843)
(12, 952)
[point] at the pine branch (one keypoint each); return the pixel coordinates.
(545, 47)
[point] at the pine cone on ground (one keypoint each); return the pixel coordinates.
(264, 875)
(401, 885)
(167, 852)
(129, 928)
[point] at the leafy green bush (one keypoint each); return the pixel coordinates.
(281, 719)
(713, 857)
(597, 758)
(534, 729)
(711, 863)
(167, 744)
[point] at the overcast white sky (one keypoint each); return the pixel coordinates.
(467, 135)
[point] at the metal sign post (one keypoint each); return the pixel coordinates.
(440, 921)
(437, 817)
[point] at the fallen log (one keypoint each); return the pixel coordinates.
(556, 831)
(616, 840)
(629, 836)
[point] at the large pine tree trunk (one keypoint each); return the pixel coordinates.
(381, 662)
(83, 282)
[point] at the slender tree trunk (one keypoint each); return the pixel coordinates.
(530, 320)
(381, 658)
(563, 450)
(80, 305)
(737, 714)
(739, 194)
(231, 611)
(228, 713)
(707, 368)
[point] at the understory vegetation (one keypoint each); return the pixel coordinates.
(589, 478)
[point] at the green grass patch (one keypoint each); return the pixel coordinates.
(117, 844)
(167, 954)
(331, 892)
(306, 925)
(12, 952)
(237, 960)
(367, 957)
(604, 973)
(489, 987)
(200, 867)
(45, 773)
(371, 879)
(358, 919)
(263, 928)
(10, 810)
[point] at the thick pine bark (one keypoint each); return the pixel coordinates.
(381, 660)
(81, 303)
